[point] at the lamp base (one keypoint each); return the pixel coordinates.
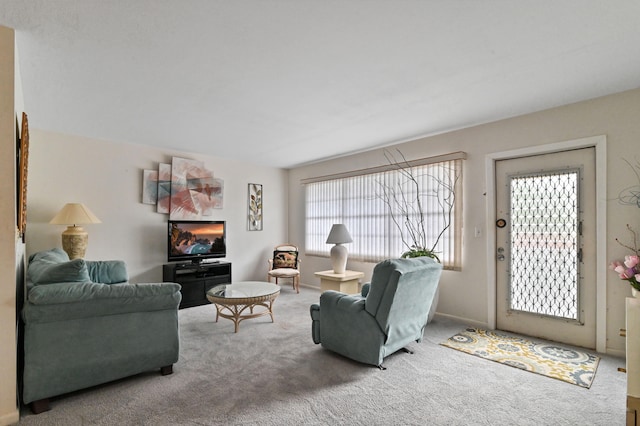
(75, 241)
(339, 258)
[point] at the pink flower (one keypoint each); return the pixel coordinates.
(631, 261)
(629, 269)
(621, 270)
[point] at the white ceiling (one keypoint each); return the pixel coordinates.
(284, 83)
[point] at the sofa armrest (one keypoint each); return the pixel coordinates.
(64, 301)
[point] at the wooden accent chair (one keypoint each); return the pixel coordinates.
(284, 264)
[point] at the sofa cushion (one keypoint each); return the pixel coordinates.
(51, 267)
(107, 271)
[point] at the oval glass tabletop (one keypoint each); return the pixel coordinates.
(244, 289)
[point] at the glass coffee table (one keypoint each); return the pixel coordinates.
(232, 301)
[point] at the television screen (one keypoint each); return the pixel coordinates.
(196, 240)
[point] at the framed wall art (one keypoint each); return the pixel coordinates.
(23, 167)
(254, 222)
(194, 190)
(150, 186)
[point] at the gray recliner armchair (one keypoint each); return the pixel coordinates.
(85, 325)
(392, 311)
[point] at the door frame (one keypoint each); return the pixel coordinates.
(600, 145)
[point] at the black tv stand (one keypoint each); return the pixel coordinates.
(196, 279)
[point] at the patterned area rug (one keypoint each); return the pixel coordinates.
(547, 359)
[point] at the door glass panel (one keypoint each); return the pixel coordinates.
(544, 244)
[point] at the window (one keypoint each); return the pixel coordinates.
(387, 209)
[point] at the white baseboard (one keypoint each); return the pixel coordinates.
(616, 352)
(466, 321)
(310, 286)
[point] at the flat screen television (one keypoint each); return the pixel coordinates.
(196, 240)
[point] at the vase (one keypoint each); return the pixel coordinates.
(635, 293)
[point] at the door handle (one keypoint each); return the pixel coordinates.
(500, 255)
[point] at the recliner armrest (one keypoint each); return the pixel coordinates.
(334, 309)
(343, 325)
(314, 310)
(341, 301)
(365, 289)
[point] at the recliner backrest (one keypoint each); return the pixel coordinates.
(401, 293)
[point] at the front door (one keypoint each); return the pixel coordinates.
(545, 239)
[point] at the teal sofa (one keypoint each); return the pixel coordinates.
(392, 311)
(85, 325)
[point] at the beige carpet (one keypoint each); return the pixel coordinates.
(272, 374)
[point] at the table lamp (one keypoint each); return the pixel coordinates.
(75, 238)
(338, 236)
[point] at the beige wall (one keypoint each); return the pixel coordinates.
(8, 243)
(107, 177)
(464, 294)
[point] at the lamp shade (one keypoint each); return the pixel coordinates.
(74, 214)
(339, 235)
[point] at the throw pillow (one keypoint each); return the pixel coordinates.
(42, 271)
(55, 255)
(285, 259)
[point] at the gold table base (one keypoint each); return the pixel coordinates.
(237, 307)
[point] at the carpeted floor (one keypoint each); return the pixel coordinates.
(273, 374)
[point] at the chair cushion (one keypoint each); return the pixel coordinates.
(46, 271)
(284, 272)
(285, 259)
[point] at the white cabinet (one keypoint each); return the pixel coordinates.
(633, 360)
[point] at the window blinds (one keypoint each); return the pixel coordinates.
(416, 194)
